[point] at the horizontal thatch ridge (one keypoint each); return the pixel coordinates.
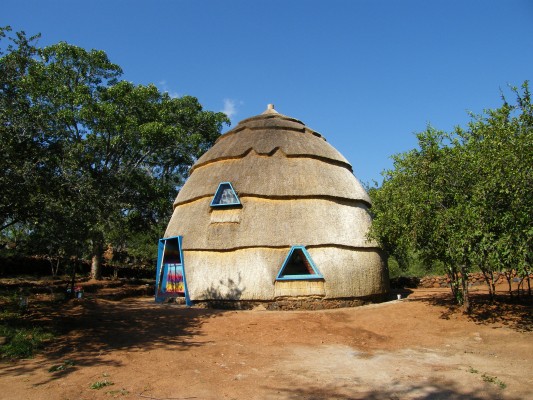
(315, 246)
(275, 175)
(270, 222)
(244, 196)
(263, 141)
(271, 153)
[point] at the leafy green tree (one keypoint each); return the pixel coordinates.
(501, 143)
(21, 143)
(464, 198)
(108, 156)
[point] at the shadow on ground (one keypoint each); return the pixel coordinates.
(515, 313)
(87, 329)
(440, 391)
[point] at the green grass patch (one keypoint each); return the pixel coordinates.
(22, 342)
(18, 337)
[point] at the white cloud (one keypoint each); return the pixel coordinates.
(230, 108)
(164, 87)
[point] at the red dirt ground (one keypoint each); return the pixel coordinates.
(414, 348)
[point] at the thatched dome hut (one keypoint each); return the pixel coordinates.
(272, 211)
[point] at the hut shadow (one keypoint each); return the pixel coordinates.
(432, 391)
(87, 330)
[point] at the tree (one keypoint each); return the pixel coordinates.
(22, 147)
(464, 198)
(105, 157)
(504, 195)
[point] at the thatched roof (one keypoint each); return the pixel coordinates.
(272, 155)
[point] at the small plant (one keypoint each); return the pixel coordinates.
(495, 380)
(101, 384)
(61, 367)
(489, 379)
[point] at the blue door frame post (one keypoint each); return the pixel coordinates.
(161, 273)
(159, 270)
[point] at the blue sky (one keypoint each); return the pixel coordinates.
(365, 74)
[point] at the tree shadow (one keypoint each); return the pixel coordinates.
(432, 391)
(226, 295)
(89, 328)
(514, 313)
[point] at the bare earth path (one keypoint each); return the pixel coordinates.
(408, 349)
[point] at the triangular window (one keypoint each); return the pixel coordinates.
(298, 265)
(225, 196)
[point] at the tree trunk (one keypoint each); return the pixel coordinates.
(454, 283)
(489, 280)
(509, 276)
(464, 282)
(54, 265)
(527, 272)
(73, 278)
(96, 262)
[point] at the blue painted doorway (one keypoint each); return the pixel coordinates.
(170, 272)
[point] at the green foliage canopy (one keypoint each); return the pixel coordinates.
(89, 159)
(464, 198)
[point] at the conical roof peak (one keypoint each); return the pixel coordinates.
(270, 110)
(269, 114)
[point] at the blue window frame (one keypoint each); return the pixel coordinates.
(298, 265)
(225, 196)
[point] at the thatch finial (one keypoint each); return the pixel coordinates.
(270, 110)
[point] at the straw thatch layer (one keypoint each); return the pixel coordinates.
(292, 143)
(275, 118)
(270, 122)
(350, 273)
(249, 274)
(270, 223)
(295, 189)
(299, 288)
(274, 176)
(246, 274)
